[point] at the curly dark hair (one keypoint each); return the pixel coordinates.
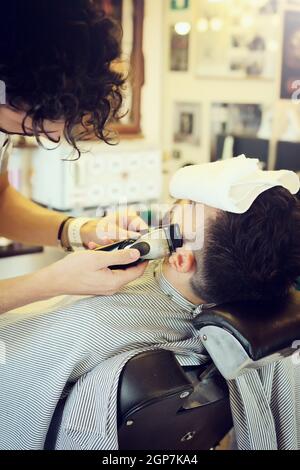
(253, 256)
(56, 61)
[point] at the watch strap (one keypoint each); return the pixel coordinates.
(74, 234)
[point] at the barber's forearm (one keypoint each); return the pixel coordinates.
(23, 221)
(23, 290)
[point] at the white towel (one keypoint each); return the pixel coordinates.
(230, 185)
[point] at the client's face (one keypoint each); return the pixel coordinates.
(11, 123)
(193, 219)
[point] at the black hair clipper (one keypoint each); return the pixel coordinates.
(155, 244)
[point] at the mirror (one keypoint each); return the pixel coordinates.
(238, 39)
(130, 13)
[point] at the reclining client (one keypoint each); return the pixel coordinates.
(79, 348)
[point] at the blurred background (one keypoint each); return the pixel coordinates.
(208, 79)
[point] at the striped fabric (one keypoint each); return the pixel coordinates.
(265, 407)
(80, 350)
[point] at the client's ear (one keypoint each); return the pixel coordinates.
(183, 261)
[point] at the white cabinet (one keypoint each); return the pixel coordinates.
(103, 176)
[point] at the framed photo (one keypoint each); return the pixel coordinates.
(292, 3)
(179, 51)
(180, 4)
(238, 128)
(234, 42)
(291, 55)
(187, 123)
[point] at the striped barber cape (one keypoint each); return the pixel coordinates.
(79, 350)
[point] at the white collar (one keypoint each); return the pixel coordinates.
(170, 290)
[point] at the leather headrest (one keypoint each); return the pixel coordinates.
(262, 329)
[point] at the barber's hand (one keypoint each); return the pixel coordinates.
(116, 226)
(87, 273)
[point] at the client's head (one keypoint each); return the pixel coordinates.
(245, 257)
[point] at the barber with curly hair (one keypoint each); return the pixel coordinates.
(56, 63)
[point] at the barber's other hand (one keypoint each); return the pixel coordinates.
(87, 273)
(114, 227)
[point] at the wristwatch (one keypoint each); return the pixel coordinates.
(74, 235)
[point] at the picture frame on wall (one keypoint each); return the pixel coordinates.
(233, 41)
(180, 4)
(292, 3)
(179, 51)
(241, 128)
(187, 123)
(290, 78)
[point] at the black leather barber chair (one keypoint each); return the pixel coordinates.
(162, 406)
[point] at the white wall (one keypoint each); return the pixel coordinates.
(25, 264)
(186, 87)
(152, 91)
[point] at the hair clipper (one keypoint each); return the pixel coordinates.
(155, 244)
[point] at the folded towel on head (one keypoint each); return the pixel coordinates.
(230, 185)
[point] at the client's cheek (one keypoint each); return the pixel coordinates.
(194, 223)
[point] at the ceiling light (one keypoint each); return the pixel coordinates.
(247, 21)
(216, 24)
(183, 28)
(202, 25)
